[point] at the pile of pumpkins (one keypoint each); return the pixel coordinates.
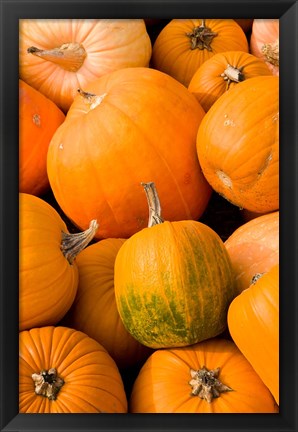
(130, 301)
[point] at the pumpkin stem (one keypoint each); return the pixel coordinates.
(201, 37)
(47, 383)
(271, 52)
(90, 98)
(69, 56)
(73, 244)
(232, 74)
(153, 203)
(255, 278)
(206, 385)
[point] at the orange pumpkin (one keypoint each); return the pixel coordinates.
(254, 248)
(253, 320)
(222, 72)
(264, 42)
(39, 118)
(209, 377)
(238, 144)
(183, 45)
(59, 56)
(130, 125)
(173, 281)
(94, 310)
(48, 275)
(62, 370)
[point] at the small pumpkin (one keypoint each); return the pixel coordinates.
(209, 377)
(48, 275)
(264, 42)
(94, 310)
(222, 72)
(173, 281)
(39, 118)
(62, 370)
(238, 144)
(183, 45)
(253, 320)
(94, 168)
(59, 56)
(254, 248)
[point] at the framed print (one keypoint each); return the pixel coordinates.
(148, 215)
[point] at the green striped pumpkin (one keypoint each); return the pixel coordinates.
(173, 282)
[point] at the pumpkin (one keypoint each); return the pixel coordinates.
(253, 320)
(183, 45)
(222, 72)
(39, 118)
(173, 281)
(128, 125)
(62, 370)
(48, 275)
(209, 377)
(254, 248)
(264, 42)
(59, 56)
(94, 310)
(238, 145)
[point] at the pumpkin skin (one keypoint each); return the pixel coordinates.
(254, 248)
(39, 118)
(162, 385)
(94, 168)
(222, 72)
(253, 320)
(173, 284)
(126, 40)
(264, 42)
(92, 382)
(238, 145)
(172, 51)
(47, 280)
(94, 310)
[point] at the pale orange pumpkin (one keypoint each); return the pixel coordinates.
(209, 377)
(39, 118)
(222, 72)
(183, 45)
(62, 370)
(264, 42)
(253, 321)
(254, 248)
(94, 310)
(48, 275)
(238, 144)
(59, 56)
(129, 125)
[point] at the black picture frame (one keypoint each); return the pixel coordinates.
(13, 10)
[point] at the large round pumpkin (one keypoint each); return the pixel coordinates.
(94, 310)
(253, 320)
(222, 72)
(59, 56)
(183, 45)
(238, 144)
(48, 275)
(264, 42)
(131, 125)
(173, 281)
(209, 377)
(39, 118)
(254, 248)
(62, 370)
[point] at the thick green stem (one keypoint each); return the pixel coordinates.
(153, 204)
(73, 244)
